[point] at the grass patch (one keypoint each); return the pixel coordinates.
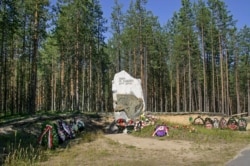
(130, 147)
(24, 156)
(19, 144)
(201, 134)
(20, 151)
(21, 147)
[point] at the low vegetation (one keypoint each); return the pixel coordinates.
(200, 134)
(21, 148)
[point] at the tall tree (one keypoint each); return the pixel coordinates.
(244, 68)
(171, 30)
(187, 45)
(224, 22)
(117, 26)
(81, 79)
(203, 20)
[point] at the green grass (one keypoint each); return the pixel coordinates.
(21, 145)
(24, 156)
(22, 148)
(201, 134)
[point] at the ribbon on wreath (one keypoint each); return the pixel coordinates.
(48, 129)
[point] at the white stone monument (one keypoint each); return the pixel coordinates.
(128, 100)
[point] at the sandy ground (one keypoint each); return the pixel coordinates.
(148, 143)
(125, 149)
(184, 119)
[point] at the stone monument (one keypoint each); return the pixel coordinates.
(128, 100)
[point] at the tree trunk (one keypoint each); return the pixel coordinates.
(171, 92)
(177, 90)
(90, 80)
(237, 88)
(77, 68)
(227, 100)
(213, 82)
(33, 78)
(248, 87)
(184, 91)
(199, 95)
(221, 78)
(204, 73)
(134, 63)
(248, 96)
(145, 93)
(3, 94)
(189, 78)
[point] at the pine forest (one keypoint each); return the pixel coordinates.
(55, 57)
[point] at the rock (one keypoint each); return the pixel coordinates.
(127, 96)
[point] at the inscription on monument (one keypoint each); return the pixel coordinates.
(125, 81)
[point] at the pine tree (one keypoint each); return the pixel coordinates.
(223, 23)
(117, 26)
(186, 42)
(244, 68)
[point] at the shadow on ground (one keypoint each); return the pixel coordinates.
(24, 132)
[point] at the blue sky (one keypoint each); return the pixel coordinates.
(164, 9)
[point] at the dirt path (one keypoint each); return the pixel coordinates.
(150, 143)
(177, 152)
(125, 149)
